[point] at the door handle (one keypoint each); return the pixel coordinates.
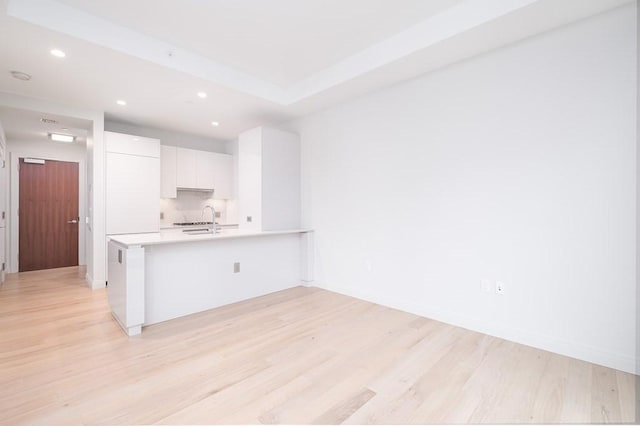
(73, 221)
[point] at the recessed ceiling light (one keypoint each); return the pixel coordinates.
(20, 75)
(202, 95)
(136, 139)
(58, 53)
(48, 120)
(121, 102)
(215, 123)
(64, 129)
(61, 138)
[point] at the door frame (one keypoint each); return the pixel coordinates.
(14, 225)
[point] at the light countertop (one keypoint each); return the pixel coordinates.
(172, 237)
(220, 225)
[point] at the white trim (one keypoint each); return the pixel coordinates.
(14, 221)
(92, 284)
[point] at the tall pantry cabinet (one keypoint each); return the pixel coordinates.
(268, 179)
(132, 184)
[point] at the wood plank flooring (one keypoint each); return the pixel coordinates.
(299, 356)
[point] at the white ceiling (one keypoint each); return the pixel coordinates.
(260, 61)
(24, 125)
(280, 41)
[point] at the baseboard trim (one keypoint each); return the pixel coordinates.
(545, 342)
(94, 285)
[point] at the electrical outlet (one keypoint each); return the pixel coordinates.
(499, 287)
(249, 219)
(218, 214)
(236, 267)
(486, 286)
(161, 215)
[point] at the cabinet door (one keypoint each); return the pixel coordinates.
(280, 180)
(204, 170)
(186, 175)
(168, 175)
(130, 144)
(132, 194)
(222, 176)
(250, 179)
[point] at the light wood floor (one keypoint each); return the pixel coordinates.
(298, 356)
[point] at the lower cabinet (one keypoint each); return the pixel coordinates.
(125, 288)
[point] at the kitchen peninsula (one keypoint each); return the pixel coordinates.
(155, 277)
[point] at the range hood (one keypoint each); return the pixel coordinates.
(181, 188)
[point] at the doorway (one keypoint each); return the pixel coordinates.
(48, 214)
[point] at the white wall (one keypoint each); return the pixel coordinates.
(168, 137)
(518, 165)
(54, 151)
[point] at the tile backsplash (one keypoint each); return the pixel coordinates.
(187, 207)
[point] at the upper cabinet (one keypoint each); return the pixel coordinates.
(268, 179)
(222, 167)
(205, 177)
(186, 173)
(197, 170)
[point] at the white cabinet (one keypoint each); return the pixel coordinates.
(186, 168)
(203, 171)
(205, 177)
(132, 145)
(125, 291)
(194, 169)
(132, 184)
(168, 171)
(222, 166)
(268, 179)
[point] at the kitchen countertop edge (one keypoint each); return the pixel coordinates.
(158, 238)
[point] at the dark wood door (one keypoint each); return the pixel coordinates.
(48, 215)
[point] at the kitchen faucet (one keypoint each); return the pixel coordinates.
(213, 217)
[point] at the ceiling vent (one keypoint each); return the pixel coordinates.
(48, 121)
